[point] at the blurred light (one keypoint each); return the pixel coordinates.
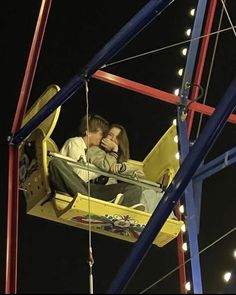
(227, 276)
(176, 91)
(184, 51)
(176, 139)
(177, 155)
(188, 286)
(192, 12)
(180, 72)
(181, 209)
(234, 253)
(174, 122)
(185, 246)
(183, 228)
(188, 32)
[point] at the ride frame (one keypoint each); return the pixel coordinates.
(190, 160)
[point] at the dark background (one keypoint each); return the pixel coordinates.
(53, 257)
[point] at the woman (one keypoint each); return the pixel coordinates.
(113, 157)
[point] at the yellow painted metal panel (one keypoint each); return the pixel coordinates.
(110, 219)
(48, 125)
(161, 159)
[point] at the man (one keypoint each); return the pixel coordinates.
(72, 180)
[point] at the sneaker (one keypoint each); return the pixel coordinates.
(139, 207)
(118, 199)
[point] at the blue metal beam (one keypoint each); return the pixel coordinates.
(225, 160)
(143, 18)
(190, 208)
(173, 193)
(214, 166)
(193, 48)
(192, 229)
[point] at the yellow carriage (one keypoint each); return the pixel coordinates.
(85, 212)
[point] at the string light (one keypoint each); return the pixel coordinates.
(185, 246)
(234, 253)
(181, 209)
(174, 122)
(177, 156)
(184, 51)
(188, 32)
(227, 276)
(192, 12)
(183, 228)
(188, 286)
(180, 72)
(176, 139)
(176, 91)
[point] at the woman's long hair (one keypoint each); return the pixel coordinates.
(123, 140)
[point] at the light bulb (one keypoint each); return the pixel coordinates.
(227, 276)
(176, 91)
(188, 286)
(192, 12)
(184, 51)
(188, 32)
(183, 228)
(181, 209)
(185, 247)
(180, 72)
(234, 253)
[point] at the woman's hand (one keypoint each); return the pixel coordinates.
(109, 145)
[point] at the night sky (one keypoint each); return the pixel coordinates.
(53, 257)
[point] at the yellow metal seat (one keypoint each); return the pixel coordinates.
(82, 211)
(161, 164)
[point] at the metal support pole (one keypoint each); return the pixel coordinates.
(13, 171)
(221, 162)
(183, 128)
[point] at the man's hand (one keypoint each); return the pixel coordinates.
(115, 168)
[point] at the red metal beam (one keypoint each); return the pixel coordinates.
(31, 64)
(201, 59)
(13, 171)
(155, 93)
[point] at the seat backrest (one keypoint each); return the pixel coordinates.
(33, 152)
(48, 125)
(161, 164)
(162, 158)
